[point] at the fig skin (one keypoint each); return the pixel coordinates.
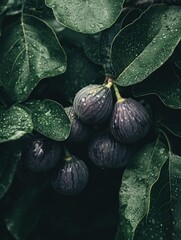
(71, 178)
(41, 154)
(130, 121)
(93, 104)
(106, 152)
(80, 132)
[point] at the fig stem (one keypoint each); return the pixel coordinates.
(109, 82)
(117, 93)
(68, 155)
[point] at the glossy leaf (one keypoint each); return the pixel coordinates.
(175, 178)
(143, 46)
(105, 48)
(30, 52)
(15, 123)
(86, 16)
(49, 118)
(107, 36)
(23, 215)
(137, 182)
(157, 224)
(8, 162)
(167, 87)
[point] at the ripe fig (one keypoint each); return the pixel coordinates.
(93, 104)
(79, 131)
(71, 178)
(106, 152)
(41, 154)
(130, 121)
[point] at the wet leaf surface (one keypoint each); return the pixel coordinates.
(49, 118)
(26, 56)
(157, 224)
(175, 181)
(143, 46)
(137, 182)
(86, 16)
(166, 86)
(15, 122)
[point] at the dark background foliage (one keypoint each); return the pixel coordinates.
(48, 51)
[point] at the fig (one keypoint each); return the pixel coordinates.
(80, 132)
(71, 178)
(93, 104)
(106, 152)
(130, 121)
(41, 154)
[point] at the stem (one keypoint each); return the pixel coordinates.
(68, 155)
(118, 95)
(167, 140)
(109, 82)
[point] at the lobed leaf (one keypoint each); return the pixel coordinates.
(143, 46)
(30, 51)
(137, 182)
(86, 16)
(15, 122)
(49, 118)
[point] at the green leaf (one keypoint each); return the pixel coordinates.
(109, 34)
(3, 6)
(15, 123)
(138, 179)
(8, 162)
(30, 51)
(24, 213)
(175, 178)
(157, 224)
(143, 46)
(80, 73)
(167, 86)
(173, 128)
(49, 118)
(91, 47)
(86, 16)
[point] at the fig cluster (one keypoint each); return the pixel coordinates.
(43, 159)
(126, 121)
(110, 128)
